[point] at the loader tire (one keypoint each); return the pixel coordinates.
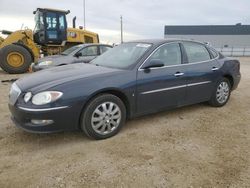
(15, 59)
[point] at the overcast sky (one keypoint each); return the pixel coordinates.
(142, 19)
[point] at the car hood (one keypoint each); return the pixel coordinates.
(48, 78)
(58, 59)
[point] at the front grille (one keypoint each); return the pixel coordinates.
(14, 94)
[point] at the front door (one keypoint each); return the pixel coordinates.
(162, 87)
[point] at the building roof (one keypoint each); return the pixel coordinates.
(207, 29)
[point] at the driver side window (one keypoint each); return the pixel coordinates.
(89, 51)
(169, 54)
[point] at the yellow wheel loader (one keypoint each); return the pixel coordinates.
(50, 36)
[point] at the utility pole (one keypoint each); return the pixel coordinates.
(84, 15)
(121, 29)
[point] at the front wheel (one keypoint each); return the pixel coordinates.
(103, 117)
(15, 59)
(221, 93)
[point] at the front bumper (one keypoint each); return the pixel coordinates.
(63, 119)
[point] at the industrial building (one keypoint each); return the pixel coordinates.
(231, 40)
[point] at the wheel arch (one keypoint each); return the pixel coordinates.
(230, 78)
(114, 91)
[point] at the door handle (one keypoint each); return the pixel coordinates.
(178, 74)
(215, 68)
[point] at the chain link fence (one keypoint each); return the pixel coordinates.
(232, 51)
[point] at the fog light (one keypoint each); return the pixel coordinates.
(41, 121)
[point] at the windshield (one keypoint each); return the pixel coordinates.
(122, 56)
(72, 49)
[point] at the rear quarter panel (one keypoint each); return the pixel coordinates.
(230, 67)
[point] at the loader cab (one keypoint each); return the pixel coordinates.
(51, 26)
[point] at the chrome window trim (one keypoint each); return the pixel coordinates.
(41, 109)
(140, 69)
(175, 87)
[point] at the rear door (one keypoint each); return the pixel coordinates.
(203, 72)
(162, 87)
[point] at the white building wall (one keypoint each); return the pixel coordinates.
(229, 45)
(218, 41)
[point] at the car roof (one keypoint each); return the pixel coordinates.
(92, 44)
(161, 41)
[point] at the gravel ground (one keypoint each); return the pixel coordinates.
(195, 146)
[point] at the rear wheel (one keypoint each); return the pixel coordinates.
(103, 117)
(221, 93)
(15, 59)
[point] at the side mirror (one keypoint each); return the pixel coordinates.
(154, 63)
(78, 54)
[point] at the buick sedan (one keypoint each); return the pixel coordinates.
(130, 80)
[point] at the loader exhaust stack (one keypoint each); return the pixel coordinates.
(74, 22)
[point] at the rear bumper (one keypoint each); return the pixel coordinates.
(62, 119)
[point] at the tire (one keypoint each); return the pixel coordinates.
(15, 59)
(98, 126)
(221, 93)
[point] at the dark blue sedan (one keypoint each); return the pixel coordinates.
(132, 79)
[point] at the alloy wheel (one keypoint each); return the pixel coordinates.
(106, 118)
(222, 92)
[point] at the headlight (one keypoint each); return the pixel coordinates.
(46, 97)
(45, 63)
(14, 94)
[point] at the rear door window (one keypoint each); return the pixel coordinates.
(214, 53)
(196, 52)
(104, 49)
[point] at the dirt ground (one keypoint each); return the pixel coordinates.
(195, 146)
